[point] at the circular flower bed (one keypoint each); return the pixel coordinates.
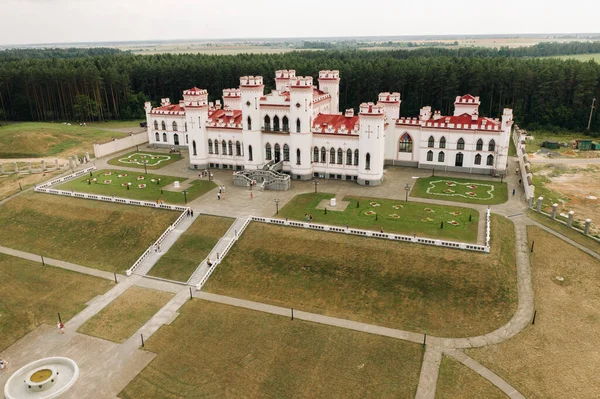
(427, 220)
(141, 185)
(94, 179)
(450, 183)
(154, 157)
(140, 177)
(122, 175)
(471, 194)
(142, 156)
(107, 173)
(455, 213)
(395, 216)
(374, 204)
(370, 213)
(472, 186)
(454, 223)
(126, 184)
(397, 206)
(449, 191)
(107, 181)
(429, 210)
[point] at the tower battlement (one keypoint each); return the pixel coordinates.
(371, 109)
(251, 81)
(285, 74)
(302, 81)
(387, 97)
(232, 93)
(327, 74)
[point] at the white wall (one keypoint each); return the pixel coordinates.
(102, 150)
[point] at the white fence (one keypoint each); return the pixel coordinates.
(488, 228)
(222, 255)
(524, 165)
(64, 178)
(116, 145)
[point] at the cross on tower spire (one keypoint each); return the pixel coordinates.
(192, 122)
(369, 131)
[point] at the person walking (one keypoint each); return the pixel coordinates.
(3, 365)
(219, 195)
(514, 192)
(192, 212)
(61, 327)
(251, 195)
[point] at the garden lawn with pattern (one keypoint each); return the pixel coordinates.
(458, 190)
(435, 290)
(218, 351)
(135, 159)
(151, 190)
(393, 216)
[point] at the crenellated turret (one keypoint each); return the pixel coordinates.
(371, 143)
(329, 82)
(282, 79)
(251, 90)
(391, 105)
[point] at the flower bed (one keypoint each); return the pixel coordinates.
(397, 207)
(453, 222)
(471, 194)
(140, 177)
(451, 183)
(374, 204)
(455, 213)
(141, 185)
(126, 184)
(369, 213)
(107, 181)
(427, 220)
(122, 175)
(107, 173)
(428, 210)
(449, 191)
(395, 216)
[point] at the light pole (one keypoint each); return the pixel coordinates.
(407, 189)
(184, 192)
(315, 182)
(276, 201)
(145, 168)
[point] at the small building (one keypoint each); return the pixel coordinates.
(583, 145)
(595, 146)
(552, 145)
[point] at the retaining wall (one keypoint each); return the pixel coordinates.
(116, 145)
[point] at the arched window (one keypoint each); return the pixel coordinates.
(323, 155)
(479, 145)
(286, 124)
(249, 121)
(155, 125)
(186, 139)
(298, 125)
(276, 123)
(478, 159)
(175, 139)
(490, 160)
(316, 154)
(349, 157)
(174, 126)
(277, 152)
(267, 122)
(355, 157)
(405, 144)
(194, 147)
(185, 126)
(165, 137)
(460, 145)
(443, 142)
(368, 161)
(430, 142)
(429, 156)
(340, 157)
(238, 149)
(230, 145)
(216, 147)
(286, 153)
(210, 147)
(249, 153)
(332, 155)
(164, 125)
(441, 156)
(268, 152)
(298, 156)
(492, 145)
(224, 144)
(157, 136)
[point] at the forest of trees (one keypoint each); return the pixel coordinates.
(104, 84)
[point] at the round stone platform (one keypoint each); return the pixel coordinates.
(43, 379)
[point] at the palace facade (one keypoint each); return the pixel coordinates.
(299, 128)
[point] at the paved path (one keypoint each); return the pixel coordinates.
(430, 369)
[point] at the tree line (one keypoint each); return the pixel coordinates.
(544, 93)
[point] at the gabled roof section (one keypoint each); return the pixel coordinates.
(231, 119)
(335, 124)
(171, 109)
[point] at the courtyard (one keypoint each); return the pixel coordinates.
(469, 191)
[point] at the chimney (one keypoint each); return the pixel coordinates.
(437, 115)
(349, 113)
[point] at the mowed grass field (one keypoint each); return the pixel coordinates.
(457, 381)
(558, 356)
(104, 236)
(40, 139)
(393, 216)
(126, 314)
(217, 351)
(152, 191)
(180, 262)
(457, 190)
(32, 294)
(434, 290)
(9, 184)
(136, 159)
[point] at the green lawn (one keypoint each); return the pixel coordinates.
(40, 139)
(576, 236)
(135, 159)
(458, 190)
(126, 314)
(218, 351)
(191, 248)
(440, 291)
(152, 191)
(97, 234)
(394, 216)
(33, 294)
(133, 125)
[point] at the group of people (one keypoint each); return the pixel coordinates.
(221, 192)
(190, 212)
(205, 173)
(308, 217)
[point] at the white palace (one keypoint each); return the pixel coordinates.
(299, 128)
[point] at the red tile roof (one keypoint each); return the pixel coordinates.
(465, 121)
(467, 97)
(322, 122)
(220, 116)
(168, 109)
(194, 91)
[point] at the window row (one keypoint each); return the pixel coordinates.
(275, 153)
(226, 146)
(276, 127)
(334, 157)
(442, 157)
(460, 144)
(164, 126)
(164, 138)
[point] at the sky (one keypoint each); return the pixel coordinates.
(60, 21)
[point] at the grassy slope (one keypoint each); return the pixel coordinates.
(410, 221)
(191, 248)
(558, 356)
(38, 139)
(102, 235)
(457, 381)
(440, 291)
(126, 314)
(500, 191)
(33, 294)
(217, 351)
(151, 192)
(564, 230)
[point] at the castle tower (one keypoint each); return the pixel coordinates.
(466, 104)
(232, 99)
(371, 144)
(301, 92)
(149, 121)
(329, 82)
(282, 79)
(195, 103)
(251, 90)
(391, 106)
